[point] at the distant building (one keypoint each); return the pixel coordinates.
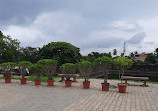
(141, 56)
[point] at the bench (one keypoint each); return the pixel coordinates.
(74, 76)
(135, 78)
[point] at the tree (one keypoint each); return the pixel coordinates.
(29, 54)
(151, 59)
(85, 67)
(9, 48)
(122, 63)
(131, 55)
(94, 55)
(38, 70)
(49, 67)
(156, 50)
(7, 68)
(122, 54)
(61, 51)
(104, 64)
(24, 65)
(68, 69)
(114, 52)
(135, 52)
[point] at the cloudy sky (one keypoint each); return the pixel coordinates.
(92, 25)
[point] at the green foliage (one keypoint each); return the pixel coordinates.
(23, 65)
(85, 68)
(29, 54)
(151, 59)
(7, 67)
(104, 64)
(156, 50)
(122, 63)
(68, 68)
(49, 67)
(94, 55)
(131, 55)
(61, 51)
(114, 52)
(9, 48)
(137, 62)
(38, 69)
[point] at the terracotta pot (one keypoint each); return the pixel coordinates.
(122, 87)
(23, 81)
(37, 81)
(105, 87)
(68, 83)
(7, 80)
(50, 82)
(86, 84)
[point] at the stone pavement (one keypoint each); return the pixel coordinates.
(16, 97)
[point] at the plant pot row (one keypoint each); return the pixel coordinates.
(86, 84)
(37, 81)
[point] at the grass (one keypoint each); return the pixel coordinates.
(153, 82)
(12, 78)
(32, 78)
(44, 79)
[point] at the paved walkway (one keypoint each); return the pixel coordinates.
(16, 97)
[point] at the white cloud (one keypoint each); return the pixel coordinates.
(84, 33)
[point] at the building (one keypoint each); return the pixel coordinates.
(141, 56)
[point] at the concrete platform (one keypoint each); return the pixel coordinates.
(16, 97)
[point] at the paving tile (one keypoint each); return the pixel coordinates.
(16, 97)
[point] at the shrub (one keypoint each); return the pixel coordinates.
(49, 67)
(7, 68)
(122, 63)
(38, 69)
(24, 65)
(85, 68)
(104, 64)
(68, 69)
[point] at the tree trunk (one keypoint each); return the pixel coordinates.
(122, 75)
(105, 77)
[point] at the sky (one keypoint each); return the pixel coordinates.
(92, 25)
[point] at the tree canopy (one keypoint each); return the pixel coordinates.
(85, 67)
(115, 52)
(123, 63)
(9, 48)
(61, 51)
(151, 59)
(49, 67)
(29, 54)
(94, 55)
(104, 64)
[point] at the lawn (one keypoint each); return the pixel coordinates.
(32, 78)
(44, 79)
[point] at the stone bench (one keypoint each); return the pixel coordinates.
(74, 76)
(135, 78)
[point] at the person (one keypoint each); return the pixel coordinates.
(27, 71)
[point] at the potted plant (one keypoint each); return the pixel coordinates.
(68, 69)
(38, 70)
(104, 64)
(85, 68)
(7, 68)
(122, 63)
(49, 69)
(24, 67)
